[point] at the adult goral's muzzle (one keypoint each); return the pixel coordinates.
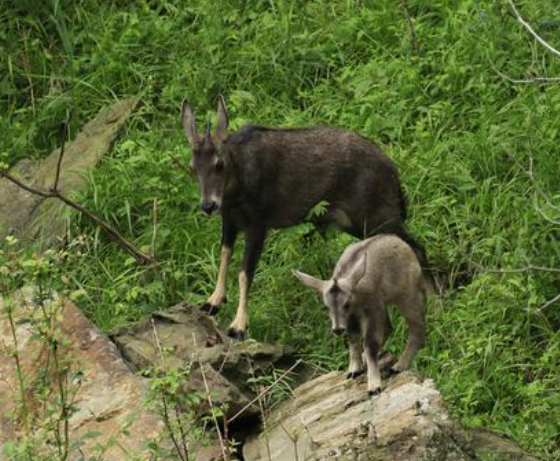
(210, 207)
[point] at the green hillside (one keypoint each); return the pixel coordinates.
(474, 131)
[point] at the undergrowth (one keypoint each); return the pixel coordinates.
(478, 156)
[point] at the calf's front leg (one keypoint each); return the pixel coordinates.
(254, 243)
(219, 296)
(374, 339)
(356, 348)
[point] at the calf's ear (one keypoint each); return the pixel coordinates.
(309, 281)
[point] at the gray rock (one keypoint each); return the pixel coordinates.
(109, 394)
(332, 418)
(493, 446)
(187, 336)
(35, 219)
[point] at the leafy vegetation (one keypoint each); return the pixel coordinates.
(478, 155)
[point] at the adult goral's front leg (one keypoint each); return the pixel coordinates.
(253, 248)
(219, 296)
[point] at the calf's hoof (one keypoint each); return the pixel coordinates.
(234, 333)
(354, 374)
(394, 371)
(210, 309)
(374, 392)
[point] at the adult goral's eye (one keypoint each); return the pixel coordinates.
(346, 306)
(219, 165)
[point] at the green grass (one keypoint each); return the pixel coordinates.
(462, 135)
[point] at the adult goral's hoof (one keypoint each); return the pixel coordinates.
(234, 333)
(210, 308)
(354, 374)
(374, 392)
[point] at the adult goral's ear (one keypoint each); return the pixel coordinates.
(189, 123)
(223, 122)
(310, 281)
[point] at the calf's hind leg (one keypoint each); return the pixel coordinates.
(415, 316)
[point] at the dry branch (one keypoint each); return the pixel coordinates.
(63, 131)
(180, 164)
(527, 26)
(525, 80)
(54, 192)
(264, 391)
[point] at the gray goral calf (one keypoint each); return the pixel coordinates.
(262, 178)
(370, 275)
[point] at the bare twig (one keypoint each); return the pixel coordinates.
(410, 24)
(155, 227)
(167, 420)
(180, 164)
(549, 303)
(527, 80)
(294, 440)
(514, 270)
(63, 132)
(140, 256)
(265, 391)
(226, 356)
(23, 186)
(262, 411)
(184, 442)
(537, 187)
(157, 342)
(221, 438)
(527, 26)
(166, 416)
(19, 369)
(539, 191)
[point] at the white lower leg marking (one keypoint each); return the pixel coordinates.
(240, 321)
(356, 363)
(219, 294)
(374, 377)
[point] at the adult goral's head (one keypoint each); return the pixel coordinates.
(338, 293)
(207, 162)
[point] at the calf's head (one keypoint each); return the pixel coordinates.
(338, 293)
(207, 163)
